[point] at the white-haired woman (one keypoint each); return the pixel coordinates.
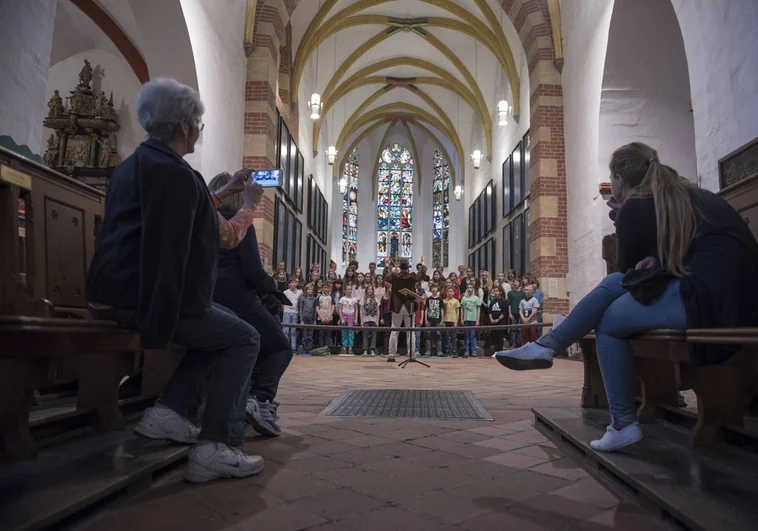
(154, 269)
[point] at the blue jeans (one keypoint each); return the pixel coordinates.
(516, 332)
(615, 316)
(308, 336)
(471, 340)
(291, 333)
(221, 353)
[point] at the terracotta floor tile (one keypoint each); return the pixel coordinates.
(366, 441)
(472, 451)
(361, 456)
(564, 468)
(444, 506)
(588, 490)
(317, 463)
(622, 518)
(513, 487)
(394, 490)
(280, 518)
(541, 452)
(401, 449)
(346, 477)
(503, 445)
(338, 504)
(499, 521)
(391, 518)
(514, 460)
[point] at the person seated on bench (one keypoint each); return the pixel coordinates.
(689, 259)
(155, 267)
(241, 278)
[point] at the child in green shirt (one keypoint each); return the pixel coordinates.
(472, 307)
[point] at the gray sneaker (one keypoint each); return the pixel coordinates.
(259, 415)
(530, 356)
(163, 423)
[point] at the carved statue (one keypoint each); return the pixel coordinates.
(85, 76)
(101, 105)
(77, 103)
(52, 152)
(111, 111)
(55, 105)
(104, 159)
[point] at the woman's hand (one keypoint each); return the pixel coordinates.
(236, 185)
(251, 196)
(615, 206)
(650, 262)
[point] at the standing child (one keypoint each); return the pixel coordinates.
(498, 315)
(347, 307)
(307, 310)
(452, 315)
(369, 308)
(471, 314)
(290, 313)
(528, 311)
(386, 318)
(538, 294)
(325, 313)
(433, 318)
(336, 295)
(514, 300)
(418, 319)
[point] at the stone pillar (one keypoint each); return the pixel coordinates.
(26, 40)
(548, 230)
(261, 94)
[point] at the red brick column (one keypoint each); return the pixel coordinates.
(262, 92)
(548, 229)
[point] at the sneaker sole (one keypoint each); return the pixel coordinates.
(259, 426)
(154, 435)
(617, 447)
(207, 475)
(516, 364)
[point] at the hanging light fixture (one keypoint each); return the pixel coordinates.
(331, 151)
(331, 155)
(476, 158)
(458, 192)
(315, 106)
(503, 110)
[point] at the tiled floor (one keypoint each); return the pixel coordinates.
(331, 474)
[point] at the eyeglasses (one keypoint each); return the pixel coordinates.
(200, 126)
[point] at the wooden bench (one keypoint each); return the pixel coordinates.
(45, 249)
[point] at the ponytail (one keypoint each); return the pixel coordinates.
(675, 216)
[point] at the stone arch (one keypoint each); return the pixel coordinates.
(646, 85)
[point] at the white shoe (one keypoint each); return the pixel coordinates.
(614, 439)
(259, 415)
(365, 352)
(163, 423)
(529, 356)
(216, 460)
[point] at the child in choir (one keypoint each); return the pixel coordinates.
(358, 290)
(528, 312)
(538, 294)
(369, 315)
(433, 317)
(514, 299)
(337, 292)
(325, 312)
(386, 317)
(472, 307)
(498, 315)
(347, 309)
(290, 313)
(307, 311)
(452, 309)
(418, 320)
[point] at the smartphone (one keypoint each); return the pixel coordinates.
(267, 178)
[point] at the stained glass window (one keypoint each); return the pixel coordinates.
(395, 204)
(350, 209)
(441, 210)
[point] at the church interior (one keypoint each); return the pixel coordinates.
(472, 133)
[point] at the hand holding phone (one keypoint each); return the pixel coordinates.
(267, 178)
(251, 195)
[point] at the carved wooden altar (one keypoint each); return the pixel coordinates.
(84, 143)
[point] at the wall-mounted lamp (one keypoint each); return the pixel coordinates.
(331, 155)
(315, 106)
(476, 158)
(503, 110)
(458, 191)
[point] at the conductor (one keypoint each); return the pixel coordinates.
(401, 305)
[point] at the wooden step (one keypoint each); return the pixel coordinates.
(67, 480)
(700, 489)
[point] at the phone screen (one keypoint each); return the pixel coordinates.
(267, 178)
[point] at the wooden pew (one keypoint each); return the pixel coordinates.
(44, 256)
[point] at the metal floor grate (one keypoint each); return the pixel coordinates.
(406, 403)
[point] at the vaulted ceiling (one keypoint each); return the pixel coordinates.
(443, 64)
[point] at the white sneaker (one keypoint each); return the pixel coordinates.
(365, 352)
(529, 356)
(614, 439)
(215, 460)
(259, 415)
(163, 423)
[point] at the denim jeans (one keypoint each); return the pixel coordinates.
(615, 316)
(221, 353)
(433, 338)
(289, 332)
(472, 343)
(401, 319)
(307, 336)
(418, 337)
(450, 340)
(515, 332)
(275, 353)
(369, 335)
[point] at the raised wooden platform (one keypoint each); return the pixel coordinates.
(699, 489)
(75, 476)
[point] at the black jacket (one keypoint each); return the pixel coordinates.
(158, 243)
(721, 264)
(241, 269)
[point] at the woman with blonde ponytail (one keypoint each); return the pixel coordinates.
(687, 259)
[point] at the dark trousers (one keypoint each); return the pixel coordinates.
(496, 336)
(276, 351)
(433, 338)
(450, 341)
(221, 353)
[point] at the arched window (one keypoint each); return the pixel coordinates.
(395, 204)
(350, 209)
(441, 210)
